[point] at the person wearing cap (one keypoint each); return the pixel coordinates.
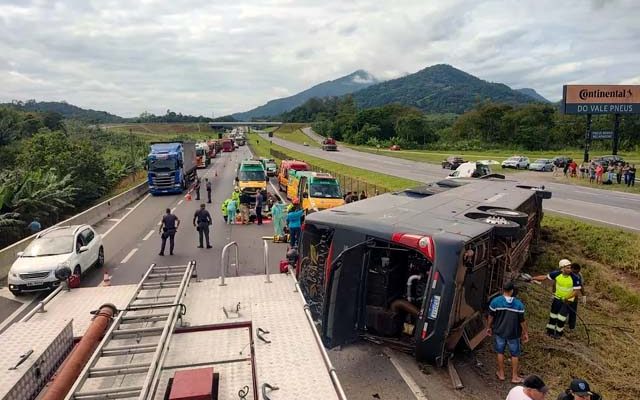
(567, 287)
(507, 325)
(533, 388)
(579, 390)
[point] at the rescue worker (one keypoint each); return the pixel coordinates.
(203, 219)
(567, 287)
(224, 209)
(168, 228)
(232, 207)
(573, 306)
(259, 203)
(236, 194)
(208, 187)
(245, 202)
(196, 188)
(294, 222)
(507, 325)
(579, 390)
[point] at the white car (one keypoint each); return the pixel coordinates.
(516, 162)
(76, 247)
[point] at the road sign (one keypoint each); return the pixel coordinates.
(601, 99)
(600, 135)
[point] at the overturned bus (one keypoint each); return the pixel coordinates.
(417, 268)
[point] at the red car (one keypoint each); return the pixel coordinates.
(395, 147)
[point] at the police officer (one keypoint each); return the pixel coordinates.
(203, 220)
(168, 228)
(208, 187)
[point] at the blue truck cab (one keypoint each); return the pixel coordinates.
(171, 167)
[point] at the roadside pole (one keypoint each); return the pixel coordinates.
(587, 139)
(616, 135)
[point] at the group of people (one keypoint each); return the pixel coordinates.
(620, 173)
(170, 223)
(534, 388)
(240, 202)
(508, 327)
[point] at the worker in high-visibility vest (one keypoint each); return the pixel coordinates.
(568, 287)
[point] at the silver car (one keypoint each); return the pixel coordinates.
(541, 164)
(516, 162)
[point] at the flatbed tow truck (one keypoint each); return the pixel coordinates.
(242, 337)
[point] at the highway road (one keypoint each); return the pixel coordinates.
(594, 205)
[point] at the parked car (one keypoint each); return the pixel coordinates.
(606, 160)
(395, 147)
(541, 164)
(77, 247)
(561, 161)
(516, 162)
(453, 162)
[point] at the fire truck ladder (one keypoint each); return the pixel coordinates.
(128, 361)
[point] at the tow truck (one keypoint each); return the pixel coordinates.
(171, 336)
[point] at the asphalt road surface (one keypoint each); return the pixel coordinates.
(594, 205)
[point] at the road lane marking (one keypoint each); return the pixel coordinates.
(180, 202)
(173, 209)
(125, 216)
(612, 224)
(114, 220)
(128, 256)
(408, 379)
(276, 191)
(151, 232)
(159, 223)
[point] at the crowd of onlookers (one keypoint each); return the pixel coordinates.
(600, 173)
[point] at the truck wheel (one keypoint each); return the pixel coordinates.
(516, 216)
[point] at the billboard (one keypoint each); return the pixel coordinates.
(601, 99)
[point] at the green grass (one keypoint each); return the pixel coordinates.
(261, 148)
(293, 133)
(610, 260)
(170, 131)
(585, 183)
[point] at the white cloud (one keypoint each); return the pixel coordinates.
(199, 56)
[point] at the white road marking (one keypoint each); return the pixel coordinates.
(159, 223)
(173, 209)
(411, 383)
(613, 224)
(276, 191)
(126, 215)
(128, 256)
(180, 202)
(114, 219)
(148, 235)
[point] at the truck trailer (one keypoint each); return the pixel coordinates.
(171, 167)
(417, 268)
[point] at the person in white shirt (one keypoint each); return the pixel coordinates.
(533, 388)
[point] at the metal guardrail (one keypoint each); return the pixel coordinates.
(41, 304)
(224, 266)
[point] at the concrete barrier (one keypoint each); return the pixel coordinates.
(91, 216)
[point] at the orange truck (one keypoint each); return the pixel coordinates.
(283, 172)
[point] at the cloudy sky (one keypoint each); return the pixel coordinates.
(223, 56)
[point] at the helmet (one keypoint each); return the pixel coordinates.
(295, 200)
(564, 263)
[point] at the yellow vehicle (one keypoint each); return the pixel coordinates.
(251, 176)
(316, 191)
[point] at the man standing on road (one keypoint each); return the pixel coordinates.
(533, 388)
(196, 188)
(259, 203)
(203, 220)
(208, 187)
(168, 228)
(245, 201)
(507, 324)
(567, 287)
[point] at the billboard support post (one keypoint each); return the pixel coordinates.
(587, 139)
(616, 135)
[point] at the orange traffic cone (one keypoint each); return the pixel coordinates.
(106, 278)
(187, 197)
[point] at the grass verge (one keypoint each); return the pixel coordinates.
(585, 183)
(294, 134)
(611, 267)
(261, 148)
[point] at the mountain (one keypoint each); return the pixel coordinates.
(533, 94)
(347, 84)
(438, 89)
(66, 110)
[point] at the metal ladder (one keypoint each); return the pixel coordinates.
(128, 361)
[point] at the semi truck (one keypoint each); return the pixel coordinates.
(329, 144)
(417, 268)
(171, 167)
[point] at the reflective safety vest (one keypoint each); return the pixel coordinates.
(224, 205)
(565, 285)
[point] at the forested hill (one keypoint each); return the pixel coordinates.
(533, 94)
(438, 89)
(347, 84)
(65, 109)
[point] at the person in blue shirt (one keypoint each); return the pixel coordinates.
(294, 222)
(507, 325)
(34, 226)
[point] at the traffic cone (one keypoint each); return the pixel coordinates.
(187, 197)
(216, 171)
(106, 278)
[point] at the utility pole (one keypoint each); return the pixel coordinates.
(616, 135)
(587, 139)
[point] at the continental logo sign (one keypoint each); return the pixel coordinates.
(601, 99)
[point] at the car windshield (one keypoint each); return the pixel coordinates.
(166, 164)
(331, 191)
(251, 175)
(271, 165)
(199, 152)
(49, 246)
